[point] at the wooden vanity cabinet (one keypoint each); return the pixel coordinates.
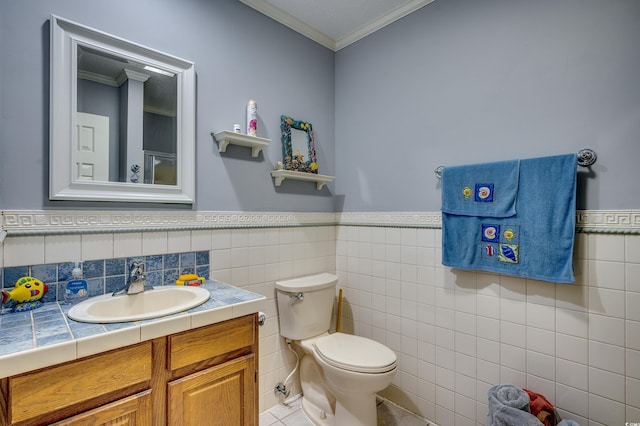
(204, 376)
(53, 393)
(214, 375)
(217, 396)
(135, 410)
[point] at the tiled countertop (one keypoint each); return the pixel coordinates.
(46, 336)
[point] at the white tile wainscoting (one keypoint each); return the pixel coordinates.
(459, 332)
(456, 333)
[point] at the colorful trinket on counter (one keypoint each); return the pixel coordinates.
(191, 280)
(26, 294)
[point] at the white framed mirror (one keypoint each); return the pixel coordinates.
(112, 103)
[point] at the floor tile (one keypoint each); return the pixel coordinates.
(292, 414)
(297, 418)
(268, 419)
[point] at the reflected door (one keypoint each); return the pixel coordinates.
(92, 154)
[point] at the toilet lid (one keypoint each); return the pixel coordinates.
(355, 353)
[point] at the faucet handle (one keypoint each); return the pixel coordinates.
(136, 269)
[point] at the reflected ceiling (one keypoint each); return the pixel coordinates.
(159, 89)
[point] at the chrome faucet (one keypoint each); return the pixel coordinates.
(136, 280)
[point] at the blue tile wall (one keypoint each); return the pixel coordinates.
(11, 275)
(108, 275)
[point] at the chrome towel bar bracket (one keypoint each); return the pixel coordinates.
(586, 157)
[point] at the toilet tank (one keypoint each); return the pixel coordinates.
(305, 305)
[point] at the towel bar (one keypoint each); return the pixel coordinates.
(586, 158)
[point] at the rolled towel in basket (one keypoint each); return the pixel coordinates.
(541, 408)
(509, 406)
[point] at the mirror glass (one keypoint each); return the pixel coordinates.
(298, 145)
(122, 119)
(128, 105)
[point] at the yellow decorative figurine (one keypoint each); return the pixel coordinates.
(190, 280)
(25, 295)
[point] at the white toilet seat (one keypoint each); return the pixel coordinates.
(355, 353)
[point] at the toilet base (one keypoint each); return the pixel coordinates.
(317, 402)
(349, 412)
(317, 415)
(359, 411)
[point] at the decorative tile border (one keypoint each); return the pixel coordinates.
(46, 222)
(608, 221)
(391, 219)
(40, 222)
(587, 221)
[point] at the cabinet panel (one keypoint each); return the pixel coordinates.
(132, 411)
(218, 396)
(54, 388)
(204, 376)
(208, 342)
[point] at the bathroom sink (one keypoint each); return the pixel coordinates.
(155, 303)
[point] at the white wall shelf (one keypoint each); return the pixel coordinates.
(320, 180)
(226, 138)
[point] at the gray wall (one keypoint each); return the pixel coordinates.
(464, 81)
(456, 82)
(239, 54)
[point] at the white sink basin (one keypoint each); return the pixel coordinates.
(154, 303)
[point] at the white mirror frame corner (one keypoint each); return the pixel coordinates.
(65, 36)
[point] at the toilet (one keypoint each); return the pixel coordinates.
(340, 373)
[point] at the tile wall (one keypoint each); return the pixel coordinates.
(108, 275)
(253, 259)
(457, 333)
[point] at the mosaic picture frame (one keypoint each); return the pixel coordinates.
(298, 145)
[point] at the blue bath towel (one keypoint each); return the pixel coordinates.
(489, 189)
(534, 242)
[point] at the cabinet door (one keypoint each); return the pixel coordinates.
(132, 411)
(57, 392)
(218, 396)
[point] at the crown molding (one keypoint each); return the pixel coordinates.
(97, 78)
(373, 26)
(297, 25)
(292, 22)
